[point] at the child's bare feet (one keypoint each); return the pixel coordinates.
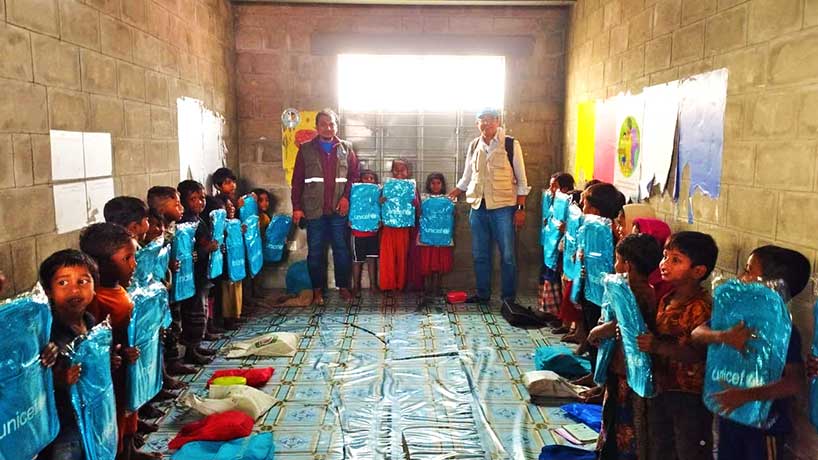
(346, 294)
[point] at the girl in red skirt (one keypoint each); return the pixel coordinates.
(394, 248)
(435, 261)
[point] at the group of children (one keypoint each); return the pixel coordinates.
(666, 273)
(403, 262)
(87, 286)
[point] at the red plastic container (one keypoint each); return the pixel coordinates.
(456, 297)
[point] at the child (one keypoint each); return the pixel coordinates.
(660, 231)
(394, 248)
(113, 249)
(129, 212)
(68, 278)
(678, 422)
(156, 226)
(365, 247)
(229, 295)
(624, 418)
(194, 319)
(435, 261)
(736, 441)
(551, 286)
(264, 200)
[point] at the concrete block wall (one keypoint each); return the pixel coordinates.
(275, 69)
(99, 65)
(769, 182)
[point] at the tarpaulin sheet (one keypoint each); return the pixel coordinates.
(395, 382)
(365, 207)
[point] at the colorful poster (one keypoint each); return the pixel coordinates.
(605, 137)
(584, 167)
(292, 138)
(630, 112)
(658, 135)
(702, 99)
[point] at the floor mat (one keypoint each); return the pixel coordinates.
(400, 382)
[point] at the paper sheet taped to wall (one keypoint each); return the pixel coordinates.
(586, 117)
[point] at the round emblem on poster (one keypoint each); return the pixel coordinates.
(627, 151)
(290, 118)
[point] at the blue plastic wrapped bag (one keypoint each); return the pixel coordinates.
(253, 447)
(184, 287)
(298, 277)
(27, 410)
(398, 210)
(597, 246)
(146, 262)
(365, 207)
(437, 221)
(560, 452)
(276, 237)
(160, 270)
(93, 395)
(571, 265)
(605, 351)
(551, 242)
(218, 221)
(763, 310)
(620, 301)
(589, 414)
(545, 212)
(562, 360)
(813, 385)
(235, 251)
(252, 237)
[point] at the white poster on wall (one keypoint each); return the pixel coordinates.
(99, 192)
(201, 150)
(629, 120)
(66, 155)
(70, 206)
(97, 153)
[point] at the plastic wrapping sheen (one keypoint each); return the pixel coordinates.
(146, 262)
(545, 211)
(160, 270)
(552, 235)
(254, 447)
(597, 246)
(218, 220)
(763, 310)
(28, 415)
(252, 237)
(605, 350)
(93, 395)
(813, 384)
(184, 286)
(620, 301)
(437, 221)
(276, 237)
(571, 265)
(235, 251)
(365, 207)
(398, 210)
(145, 375)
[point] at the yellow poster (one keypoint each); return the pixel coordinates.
(584, 166)
(292, 138)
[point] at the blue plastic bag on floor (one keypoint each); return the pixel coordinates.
(597, 246)
(605, 351)
(589, 414)
(184, 286)
(437, 221)
(558, 216)
(298, 277)
(562, 360)
(93, 395)
(622, 303)
(253, 447)
(545, 211)
(571, 265)
(218, 221)
(398, 210)
(276, 237)
(235, 251)
(365, 207)
(813, 385)
(27, 410)
(252, 237)
(558, 452)
(763, 310)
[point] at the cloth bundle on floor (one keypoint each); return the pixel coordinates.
(556, 218)
(235, 251)
(562, 360)
(27, 408)
(272, 344)
(218, 221)
(224, 426)
(254, 447)
(365, 207)
(184, 286)
(248, 400)
(276, 237)
(437, 221)
(256, 377)
(248, 213)
(549, 384)
(398, 210)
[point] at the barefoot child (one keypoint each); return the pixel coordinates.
(365, 247)
(435, 261)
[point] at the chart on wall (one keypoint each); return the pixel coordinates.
(658, 135)
(297, 127)
(201, 146)
(630, 113)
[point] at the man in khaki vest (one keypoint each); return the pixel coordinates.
(325, 169)
(496, 187)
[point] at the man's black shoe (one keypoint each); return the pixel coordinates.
(477, 299)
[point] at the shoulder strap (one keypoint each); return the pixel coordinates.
(510, 153)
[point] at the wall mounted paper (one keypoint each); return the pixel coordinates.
(763, 310)
(558, 216)
(620, 301)
(93, 395)
(184, 286)
(252, 236)
(99, 192)
(97, 154)
(571, 265)
(605, 139)
(586, 125)
(545, 211)
(292, 138)
(70, 206)
(218, 221)
(398, 210)
(437, 221)
(702, 99)
(66, 155)
(276, 237)
(365, 207)
(27, 409)
(630, 113)
(235, 251)
(813, 384)
(597, 247)
(201, 147)
(658, 135)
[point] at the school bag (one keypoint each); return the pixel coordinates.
(557, 217)
(27, 408)
(398, 210)
(595, 242)
(218, 219)
(562, 360)
(519, 316)
(365, 207)
(276, 237)
(235, 251)
(436, 221)
(248, 213)
(184, 286)
(571, 265)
